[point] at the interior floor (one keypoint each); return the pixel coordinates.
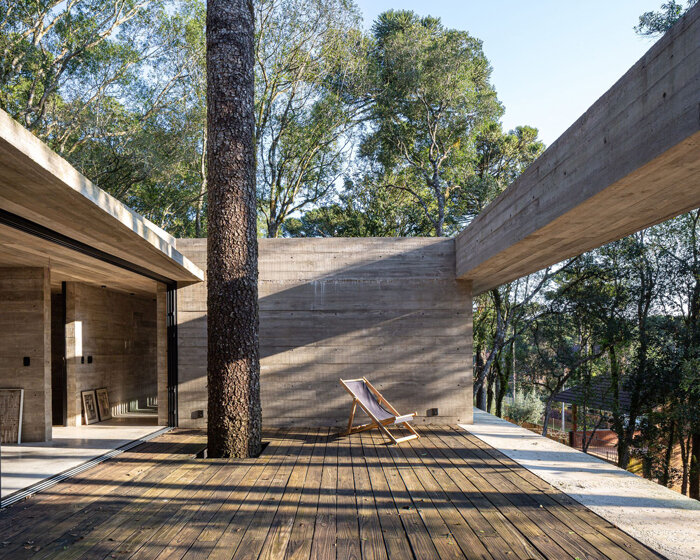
(28, 463)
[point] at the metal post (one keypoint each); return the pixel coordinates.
(171, 313)
(563, 417)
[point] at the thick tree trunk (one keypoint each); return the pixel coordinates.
(272, 229)
(235, 415)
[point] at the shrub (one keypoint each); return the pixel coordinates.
(526, 407)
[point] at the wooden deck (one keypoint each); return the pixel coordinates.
(311, 495)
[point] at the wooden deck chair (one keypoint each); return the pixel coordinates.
(377, 408)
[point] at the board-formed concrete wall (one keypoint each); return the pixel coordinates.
(389, 309)
(25, 331)
(118, 331)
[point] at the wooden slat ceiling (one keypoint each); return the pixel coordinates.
(40, 186)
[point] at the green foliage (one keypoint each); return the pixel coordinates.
(361, 210)
(306, 53)
(108, 86)
(657, 23)
(526, 407)
(430, 94)
(499, 159)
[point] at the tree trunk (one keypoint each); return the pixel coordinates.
(272, 229)
(489, 385)
(478, 373)
(547, 413)
(694, 475)
(440, 196)
(498, 342)
(669, 453)
(503, 387)
(623, 454)
(202, 187)
(684, 444)
(233, 373)
(618, 422)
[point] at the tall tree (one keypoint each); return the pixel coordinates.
(105, 83)
(681, 253)
(306, 52)
(431, 93)
(498, 159)
(235, 414)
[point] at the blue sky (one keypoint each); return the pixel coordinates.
(551, 59)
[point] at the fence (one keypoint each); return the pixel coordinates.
(604, 447)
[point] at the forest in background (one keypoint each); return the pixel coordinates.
(391, 132)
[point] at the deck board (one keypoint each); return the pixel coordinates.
(312, 495)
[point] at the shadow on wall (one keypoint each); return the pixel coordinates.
(387, 309)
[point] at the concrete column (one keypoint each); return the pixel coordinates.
(25, 345)
(74, 351)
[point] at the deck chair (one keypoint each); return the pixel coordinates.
(377, 408)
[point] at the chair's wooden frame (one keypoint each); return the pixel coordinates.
(381, 425)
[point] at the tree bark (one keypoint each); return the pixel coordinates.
(694, 475)
(547, 412)
(684, 442)
(666, 476)
(489, 385)
(504, 377)
(233, 373)
(198, 229)
(272, 229)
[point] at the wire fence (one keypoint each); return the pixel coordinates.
(603, 447)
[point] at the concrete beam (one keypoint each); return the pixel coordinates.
(631, 161)
(39, 185)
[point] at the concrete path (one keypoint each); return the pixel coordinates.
(660, 518)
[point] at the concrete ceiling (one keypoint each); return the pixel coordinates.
(19, 249)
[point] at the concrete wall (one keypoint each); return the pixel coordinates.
(118, 331)
(25, 331)
(388, 309)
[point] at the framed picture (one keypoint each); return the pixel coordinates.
(90, 407)
(103, 404)
(11, 404)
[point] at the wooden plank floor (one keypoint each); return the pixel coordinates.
(310, 495)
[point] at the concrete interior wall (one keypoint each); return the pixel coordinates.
(25, 331)
(118, 331)
(388, 309)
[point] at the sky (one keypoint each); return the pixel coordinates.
(551, 59)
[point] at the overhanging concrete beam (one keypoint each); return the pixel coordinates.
(631, 161)
(39, 186)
